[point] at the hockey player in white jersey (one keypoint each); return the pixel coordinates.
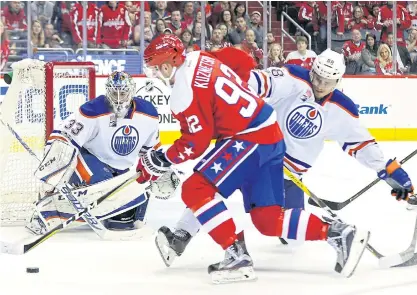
(310, 110)
(109, 133)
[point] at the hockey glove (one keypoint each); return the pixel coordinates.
(398, 179)
(153, 165)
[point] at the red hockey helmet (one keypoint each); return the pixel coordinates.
(165, 49)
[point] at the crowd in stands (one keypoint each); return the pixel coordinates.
(363, 30)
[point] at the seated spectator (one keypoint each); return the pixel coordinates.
(276, 56)
(227, 18)
(5, 47)
(359, 22)
(225, 33)
(132, 12)
(76, 16)
(403, 56)
(199, 19)
(148, 22)
(38, 35)
(250, 45)
(218, 9)
(52, 39)
(160, 27)
(176, 25)
(196, 34)
(302, 57)
(352, 51)
(114, 27)
(160, 11)
(187, 39)
(188, 15)
(412, 8)
(238, 34)
(14, 16)
(270, 39)
(240, 11)
(305, 16)
(412, 45)
(134, 41)
(383, 62)
(255, 25)
(217, 41)
(42, 11)
(369, 54)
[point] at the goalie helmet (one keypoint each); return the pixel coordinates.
(120, 89)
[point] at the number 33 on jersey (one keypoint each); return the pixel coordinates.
(212, 102)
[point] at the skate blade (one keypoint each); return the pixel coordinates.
(233, 275)
(167, 254)
(358, 247)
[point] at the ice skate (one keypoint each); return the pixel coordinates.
(412, 202)
(236, 266)
(171, 244)
(349, 243)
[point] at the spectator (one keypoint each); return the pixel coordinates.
(385, 22)
(305, 16)
(403, 56)
(188, 15)
(160, 27)
(275, 56)
(176, 25)
(161, 11)
(114, 27)
(186, 38)
(270, 39)
(217, 41)
(383, 62)
(250, 46)
(42, 11)
(227, 18)
(359, 22)
(373, 17)
(147, 19)
(369, 54)
(240, 11)
(199, 19)
(346, 9)
(14, 16)
(257, 28)
(302, 57)
(320, 22)
(61, 19)
(134, 41)
(196, 34)
(133, 10)
(168, 31)
(223, 29)
(352, 51)
(93, 25)
(52, 39)
(412, 45)
(218, 9)
(5, 47)
(238, 34)
(37, 36)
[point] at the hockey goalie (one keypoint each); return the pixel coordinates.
(98, 144)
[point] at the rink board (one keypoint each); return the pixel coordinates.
(387, 105)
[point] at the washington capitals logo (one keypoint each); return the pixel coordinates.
(125, 140)
(304, 122)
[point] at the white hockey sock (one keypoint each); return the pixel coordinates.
(188, 222)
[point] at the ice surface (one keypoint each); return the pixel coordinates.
(77, 262)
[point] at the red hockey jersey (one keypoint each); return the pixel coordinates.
(212, 102)
(351, 49)
(305, 61)
(385, 14)
(92, 22)
(13, 20)
(114, 26)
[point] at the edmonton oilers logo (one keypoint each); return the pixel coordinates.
(304, 122)
(125, 140)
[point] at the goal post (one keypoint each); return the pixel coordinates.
(40, 96)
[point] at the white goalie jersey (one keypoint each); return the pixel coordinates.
(307, 123)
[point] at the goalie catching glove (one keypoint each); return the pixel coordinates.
(398, 179)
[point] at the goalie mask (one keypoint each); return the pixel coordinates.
(120, 89)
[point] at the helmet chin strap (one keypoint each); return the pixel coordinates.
(167, 81)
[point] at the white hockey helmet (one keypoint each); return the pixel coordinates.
(330, 65)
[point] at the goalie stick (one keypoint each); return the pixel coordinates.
(24, 246)
(66, 191)
(384, 261)
(340, 205)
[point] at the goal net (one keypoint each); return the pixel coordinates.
(40, 96)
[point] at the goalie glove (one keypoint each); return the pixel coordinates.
(164, 187)
(153, 164)
(398, 179)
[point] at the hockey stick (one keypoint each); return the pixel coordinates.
(385, 261)
(340, 205)
(66, 191)
(26, 245)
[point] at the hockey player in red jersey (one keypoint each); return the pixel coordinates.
(212, 102)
